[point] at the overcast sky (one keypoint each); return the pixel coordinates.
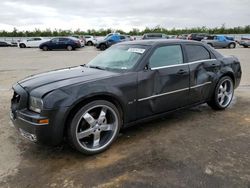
(121, 14)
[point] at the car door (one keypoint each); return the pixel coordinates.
(54, 43)
(164, 83)
(30, 42)
(37, 42)
(203, 68)
(62, 43)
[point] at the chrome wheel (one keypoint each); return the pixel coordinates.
(225, 93)
(97, 128)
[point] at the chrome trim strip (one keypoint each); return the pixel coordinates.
(189, 63)
(171, 92)
(162, 94)
(22, 119)
(199, 85)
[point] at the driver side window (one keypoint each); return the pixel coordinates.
(165, 56)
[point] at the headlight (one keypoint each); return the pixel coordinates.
(35, 104)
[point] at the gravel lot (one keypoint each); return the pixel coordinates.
(197, 147)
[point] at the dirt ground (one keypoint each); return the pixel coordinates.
(196, 147)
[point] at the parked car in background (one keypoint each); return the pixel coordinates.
(6, 44)
(32, 42)
(129, 83)
(219, 41)
(69, 43)
(81, 38)
(148, 36)
(245, 42)
(183, 36)
(197, 36)
(112, 39)
(90, 40)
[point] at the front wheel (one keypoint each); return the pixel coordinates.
(22, 45)
(89, 43)
(223, 94)
(45, 48)
(103, 47)
(94, 127)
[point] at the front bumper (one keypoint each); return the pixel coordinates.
(45, 128)
(51, 133)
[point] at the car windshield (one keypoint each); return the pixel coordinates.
(121, 57)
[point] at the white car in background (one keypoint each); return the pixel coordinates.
(32, 42)
(90, 40)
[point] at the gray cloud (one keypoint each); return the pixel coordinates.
(122, 14)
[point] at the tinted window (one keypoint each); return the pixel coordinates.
(166, 55)
(55, 40)
(155, 35)
(63, 39)
(38, 39)
(32, 39)
(196, 53)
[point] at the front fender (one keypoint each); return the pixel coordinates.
(71, 96)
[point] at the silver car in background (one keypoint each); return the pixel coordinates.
(219, 41)
(245, 42)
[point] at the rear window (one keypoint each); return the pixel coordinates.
(196, 53)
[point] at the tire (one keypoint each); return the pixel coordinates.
(223, 94)
(231, 45)
(210, 44)
(103, 47)
(89, 43)
(45, 48)
(22, 45)
(69, 48)
(94, 127)
(245, 46)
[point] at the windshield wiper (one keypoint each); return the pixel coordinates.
(97, 67)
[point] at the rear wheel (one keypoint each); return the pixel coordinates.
(69, 48)
(94, 127)
(223, 94)
(231, 45)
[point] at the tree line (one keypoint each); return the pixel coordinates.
(133, 32)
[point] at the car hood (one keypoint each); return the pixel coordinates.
(40, 84)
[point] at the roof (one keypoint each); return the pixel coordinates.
(160, 41)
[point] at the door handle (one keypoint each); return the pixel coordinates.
(181, 72)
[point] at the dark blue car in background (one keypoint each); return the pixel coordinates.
(69, 43)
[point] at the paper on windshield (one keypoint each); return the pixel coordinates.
(136, 50)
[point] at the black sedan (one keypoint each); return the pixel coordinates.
(6, 44)
(128, 83)
(68, 43)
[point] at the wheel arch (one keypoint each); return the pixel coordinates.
(80, 103)
(230, 74)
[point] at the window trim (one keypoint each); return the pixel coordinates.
(189, 63)
(154, 68)
(186, 47)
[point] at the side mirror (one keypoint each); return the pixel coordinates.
(146, 68)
